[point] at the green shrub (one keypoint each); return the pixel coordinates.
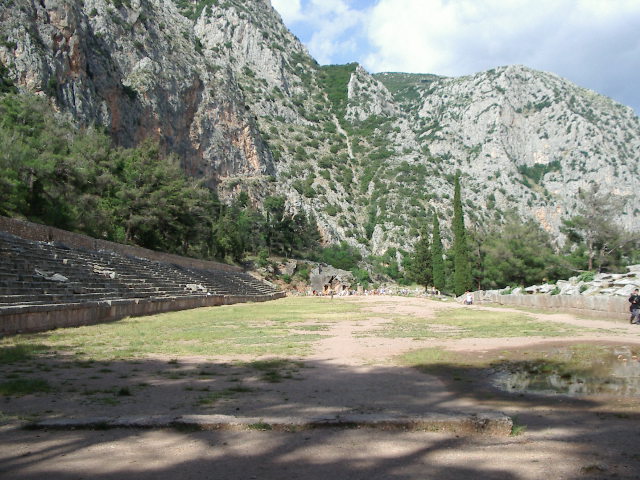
(303, 272)
(341, 256)
(586, 276)
(331, 210)
(263, 258)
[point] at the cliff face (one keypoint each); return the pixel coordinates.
(133, 66)
(535, 137)
(234, 94)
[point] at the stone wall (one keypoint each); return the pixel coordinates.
(602, 306)
(44, 233)
(36, 318)
(39, 318)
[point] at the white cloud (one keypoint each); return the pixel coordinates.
(289, 10)
(462, 36)
(594, 43)
(583, 40)
(331, 27)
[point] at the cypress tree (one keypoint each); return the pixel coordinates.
(461, 269)
(421, 267)
(437, 261)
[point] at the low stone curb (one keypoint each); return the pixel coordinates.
(495, 424)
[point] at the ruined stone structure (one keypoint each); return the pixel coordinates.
(50, 278)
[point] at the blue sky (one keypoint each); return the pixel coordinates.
(593, 43)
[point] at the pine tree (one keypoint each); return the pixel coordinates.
(421, 266)
(437, 261)
(462, 269)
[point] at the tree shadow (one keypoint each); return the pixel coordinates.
(589, 430)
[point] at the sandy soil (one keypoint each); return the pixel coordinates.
(347, 373)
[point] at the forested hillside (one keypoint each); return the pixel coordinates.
(206, 128)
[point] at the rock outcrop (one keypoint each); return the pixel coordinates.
(610, 284)
(134, 67)
(237, 97)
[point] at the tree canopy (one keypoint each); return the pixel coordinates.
(594, 227)
(421, 267)
(462, 280)
(437, 260)
(51, 172)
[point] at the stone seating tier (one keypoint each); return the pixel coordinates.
(34, 272)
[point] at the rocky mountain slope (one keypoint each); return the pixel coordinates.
(224, 84)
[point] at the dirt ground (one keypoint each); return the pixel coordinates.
(563, 438)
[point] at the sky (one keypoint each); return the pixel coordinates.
(593, 43)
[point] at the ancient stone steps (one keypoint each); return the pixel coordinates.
(39, 272)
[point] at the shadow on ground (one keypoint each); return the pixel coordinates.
(565, 438)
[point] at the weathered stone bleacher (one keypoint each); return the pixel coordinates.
(46, 284)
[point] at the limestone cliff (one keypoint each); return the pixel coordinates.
(225, 86)
(134, 67)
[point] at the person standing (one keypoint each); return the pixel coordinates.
(634, 308)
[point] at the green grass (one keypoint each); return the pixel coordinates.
(427, 356)
(271, 328)
(472, 323)
(275, 370)
(582, 360)
(214, 397)
(260, 426)
(517, 428)
(579, 316)
(24, 386)
(20, 353)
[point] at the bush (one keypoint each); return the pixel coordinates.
(586, 276)
(361, 276)
(341, 256)
(303, 273)
(263, 258)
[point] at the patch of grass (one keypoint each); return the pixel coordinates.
(449, 365)
(261, 426)
(472, 323)
(21, 352)
(517, 428)
(427, 356)
(124, 392)
(24, 386)
(588, 360)
(275, 370)
(313, 328)
(6, 418)
(593, 468)
(270, 328)
(213, 397)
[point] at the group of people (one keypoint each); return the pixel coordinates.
(634, 308)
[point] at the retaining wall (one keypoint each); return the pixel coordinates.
(593, 305)
(44, 233)
(38, 318)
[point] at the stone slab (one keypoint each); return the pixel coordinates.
(485, 423)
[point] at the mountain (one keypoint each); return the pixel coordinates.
(225, 85)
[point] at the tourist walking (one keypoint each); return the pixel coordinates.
(634, 307)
